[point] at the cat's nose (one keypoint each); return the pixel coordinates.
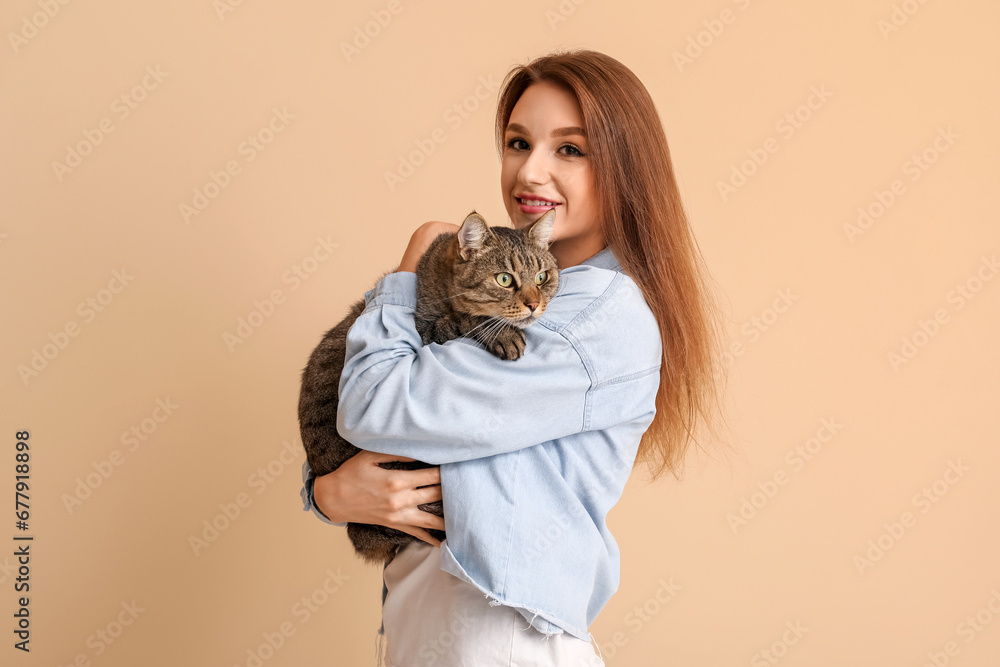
(532, 306)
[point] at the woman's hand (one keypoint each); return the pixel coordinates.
(360, 491)
(421, 240)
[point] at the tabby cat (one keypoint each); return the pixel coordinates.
(485, 283)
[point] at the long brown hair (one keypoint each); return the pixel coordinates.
(645, 225)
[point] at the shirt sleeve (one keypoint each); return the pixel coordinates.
(308, 501)
(457, 401)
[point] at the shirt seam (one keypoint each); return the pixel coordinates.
(599, 300)
(389, 301)
(585, 361)
(513, 523)
(567, 333)
(628, 378)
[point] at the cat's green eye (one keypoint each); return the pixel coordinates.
(504, 279)
(541, 277)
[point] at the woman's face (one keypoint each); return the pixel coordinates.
(546, 164)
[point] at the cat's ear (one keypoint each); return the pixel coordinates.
(472, 235)
(540, 231)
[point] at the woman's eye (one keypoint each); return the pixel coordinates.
(520, 144)
(504, 279)
(541, 277)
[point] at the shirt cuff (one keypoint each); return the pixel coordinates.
(399, 289)
(308, 501)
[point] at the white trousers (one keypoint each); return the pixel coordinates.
(433, 618)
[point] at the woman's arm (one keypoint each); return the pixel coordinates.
(421, 240)
(452, 402)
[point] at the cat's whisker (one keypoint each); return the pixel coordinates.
(485, 322)
(490, 333)
(498, 326)
(493, 326)
(496, 330)
(490, 325)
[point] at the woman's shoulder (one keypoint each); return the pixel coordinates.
(602, 312)
(592, 291)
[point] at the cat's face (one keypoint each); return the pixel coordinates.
(505, 273)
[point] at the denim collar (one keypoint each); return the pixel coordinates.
(605, 259)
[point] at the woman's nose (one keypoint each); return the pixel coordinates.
(535, 168)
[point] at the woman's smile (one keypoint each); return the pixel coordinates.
(534, 204)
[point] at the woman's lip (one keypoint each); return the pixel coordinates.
(525, 208)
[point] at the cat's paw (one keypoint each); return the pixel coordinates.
(508, 344)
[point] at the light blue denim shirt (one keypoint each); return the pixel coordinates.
(533, 453)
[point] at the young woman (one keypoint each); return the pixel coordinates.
(531, 455)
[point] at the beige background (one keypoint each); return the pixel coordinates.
(891, 91)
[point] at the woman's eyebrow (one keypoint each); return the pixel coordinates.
(561, 132)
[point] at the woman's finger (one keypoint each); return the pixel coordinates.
(420, 534)
(428, 494)
(424, 476)
(425, 519)
(436, 522)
